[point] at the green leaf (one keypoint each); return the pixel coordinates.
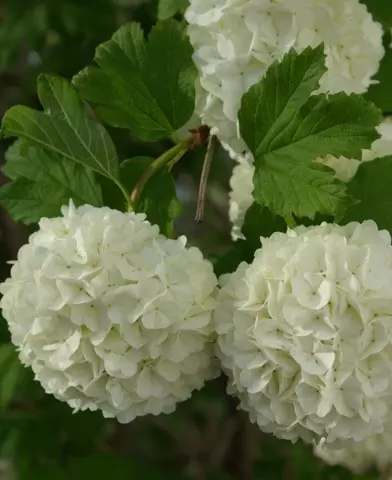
(7, 354)
(43, 182)
(10, 381)
(229, 262)
(381, 11)
(300, 189)
(159, 198)
(380, 92)
(19, 27)
(170, 8)
(117, 89)
(66, 177)
(147, 87)
(4, 332)
(260, 222)
(11, 374)
(14, 156)
(27, 202)
(64, 128)
(268, 107)
(372, 186)
(170, 73)
(287, 129)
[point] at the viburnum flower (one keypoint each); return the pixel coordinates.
(236, 41)
(305, 335)
(110, 314)
(241, 182)
(360, 456)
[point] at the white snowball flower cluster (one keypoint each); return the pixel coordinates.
(235, 42)
(241, 182)
(110, 314)
(305, 332)
(360, 456)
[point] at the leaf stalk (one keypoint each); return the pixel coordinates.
(174, 153)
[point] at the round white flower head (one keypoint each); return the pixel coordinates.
(110, 314)
(235, 42)
(360, 456)
(241, 182)
(305, 332)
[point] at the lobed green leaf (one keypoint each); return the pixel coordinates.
(148, 87)
(43, 182)
(287, 129)
(64, 128)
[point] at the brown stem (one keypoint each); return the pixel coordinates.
(204, 177)
(239, 456)
(222, 442)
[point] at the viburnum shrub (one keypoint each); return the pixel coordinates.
(114, 310)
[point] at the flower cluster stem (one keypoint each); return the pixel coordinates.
(175, 152)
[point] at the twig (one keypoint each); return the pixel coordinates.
(239, 454)
(190, 443)
(212, 142)
(386, 474)
(223, 442)
(239, 460)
